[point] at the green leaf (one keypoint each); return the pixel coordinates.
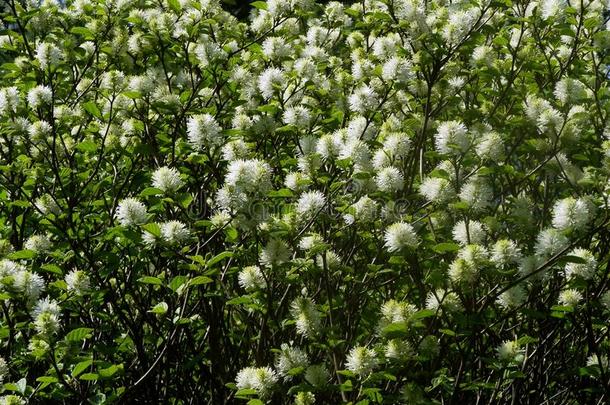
(184, 199)
(239, 301)
(560, 308)
(148, 191)
(134, 95)
(232, 234)
(79, 334)
(160, 308)
(90, 377)
(47, 379)
(177, 282)
(109, 372)
(92, 109)
(87, 146)
(200, 280)
(447, 332)
(261, 5)
(424, 313)
(219, 257)
(80, 367)
(150, 280)
(245, 392)
(82, 31)
(395, 330)
(281, 193)
(446, 247)
(152, 228)
(175, 6)
(52, 268)
(571, 259)
(22, 255)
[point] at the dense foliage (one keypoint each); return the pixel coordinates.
(390, 201)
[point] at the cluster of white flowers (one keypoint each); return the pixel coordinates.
(477, 193)
(310, 204)
(570, 297)
(467, 233)
(571, 213)
(261, 379)
(585, 270)
(275, 253)
(399, 236)
(436, 189)
(130, 212)
(510, 351)
(46, 316)
(203, 132)
(39, 95)
(550, 242)
(452, 137)
(330, 148)
(174, 232)
(361, 361)
(290, 358)
(251, 278)
(513, 297)
(9, 100)
(77, 282)
(389, 179)
(48, 55)
(167, 179)
(505, 252)
(38, 243)
(270, 80)
(306, 315)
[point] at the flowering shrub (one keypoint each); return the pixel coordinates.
(390, 201)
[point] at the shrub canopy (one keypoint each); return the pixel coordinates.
(394, 201)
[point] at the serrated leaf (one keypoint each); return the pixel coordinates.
(281, 193)
(152, 228)
(85, 32)
(150, 280)
(177, 282)
(80, 367)
(245, 392)
(239, 301)
(261, 5)
(87, 146)
(22, 255)
(160, 308)
(219, 257)
(109, 371)
(47, 379)
(184, 199)
(175, 5)
(148, 191)
(90, 377)
(395, 330)
(446, 247)
(92, 109)
(447, 332)
(424, 313)
(200, 280)
(571, 259)
(79, 334)
(52, 268)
